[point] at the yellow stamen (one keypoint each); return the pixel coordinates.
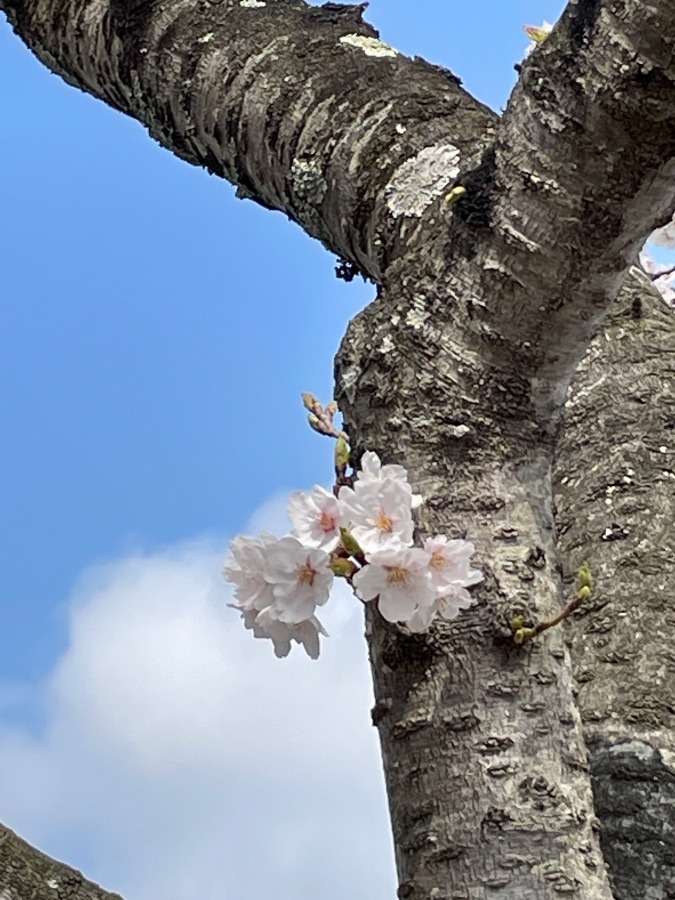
(384, 523)
(396, 575)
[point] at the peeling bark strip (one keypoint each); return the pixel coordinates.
(459, 372)
(303, 108)
(25, 873)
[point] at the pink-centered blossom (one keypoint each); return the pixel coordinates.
(315, 517)
(378, 515)
(451, 573)
(300, 578)
(400, 579)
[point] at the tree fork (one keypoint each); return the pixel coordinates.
(473, 290)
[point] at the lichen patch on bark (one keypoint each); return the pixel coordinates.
(369, 45)
(419, 180)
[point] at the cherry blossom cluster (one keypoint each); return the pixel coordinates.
(361, 532)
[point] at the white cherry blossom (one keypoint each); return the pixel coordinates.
(449, 563)
(315, 517)
(246, 571)
(399, 579)
(378, 514)
(279, 582)
(448, 606)
(300, 579)
(282, 634)
(451, 573)
(372, 472)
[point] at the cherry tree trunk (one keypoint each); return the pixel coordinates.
(500, 247)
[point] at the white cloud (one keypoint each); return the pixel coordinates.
(180, 759)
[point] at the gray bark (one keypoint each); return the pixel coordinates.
(459, 371)
(614, 490)
(27, 874)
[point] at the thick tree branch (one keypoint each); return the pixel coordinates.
(584, 169)
(483, 750)
(27, 873)
(614, 489)
(305, 110)
(302, 108)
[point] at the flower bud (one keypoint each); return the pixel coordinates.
(341, 455)
(585, 577)
(343, 568)
(537, 33)
(350, 543)
(455, 194)
(522, 635)
(310, 402)
(316, 423)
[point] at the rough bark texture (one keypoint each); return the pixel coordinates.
(483, 751)
(584, 161)
(459, 371)
(27, 874)
(302, 108)
(614, 487)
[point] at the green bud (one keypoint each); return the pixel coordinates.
(332, 408)
(350, 543)
(585, 576)
(584, 592)
(522, 635)
(341, 455)
(455, 194)
(343, 568)
(537, 33)
(516, 623)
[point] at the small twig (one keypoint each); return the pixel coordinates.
(555, 620)
(522, 633)
(320, 419)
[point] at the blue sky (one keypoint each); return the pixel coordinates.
(155, 335)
